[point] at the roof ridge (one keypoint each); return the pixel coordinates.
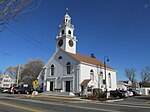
(88, 59)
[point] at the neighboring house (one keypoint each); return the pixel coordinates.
(144, 90)
(124, 85)
(6, 81)
(68, 71)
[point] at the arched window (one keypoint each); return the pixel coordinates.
(101, 73)
(52, 70)
(62, 32)
(109, 79)
(60, 57)
(69, 32)
(92, 75)
(101, 79)
(68, 68)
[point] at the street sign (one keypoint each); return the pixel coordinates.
(35, 84)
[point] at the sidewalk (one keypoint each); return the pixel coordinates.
(58, 98)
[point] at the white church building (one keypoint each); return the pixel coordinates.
(68, 71)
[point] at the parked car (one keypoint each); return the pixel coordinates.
(130, 93)
(5, 90)
(117, 93)
(125, 93)
(12, 90)
(21, 90)
(136, 92)
(39, 90)
(139, 92)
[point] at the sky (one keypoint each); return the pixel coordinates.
(119, 29)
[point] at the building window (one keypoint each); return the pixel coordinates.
(52, 70)
(5, 85)
(48, 71)
(6, 80)
(69, 32)
(101, 79)
(92, 75)
(62, 32)
(89, 89)
(68, 68)
(109, 79)
(60, 57)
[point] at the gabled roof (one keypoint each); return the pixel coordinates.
(87, 59)
(4, 76)
(85, 82)
(125, 81)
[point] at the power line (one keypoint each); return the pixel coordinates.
(29, 39)
(5, 53)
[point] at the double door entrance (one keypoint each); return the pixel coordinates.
(67, 86)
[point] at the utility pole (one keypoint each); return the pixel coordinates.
(18, 73)
(105, 60)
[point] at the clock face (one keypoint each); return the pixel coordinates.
(70, 43)
(60, 42)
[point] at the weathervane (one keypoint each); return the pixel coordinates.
(67, 10)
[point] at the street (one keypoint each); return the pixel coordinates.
(8, 104)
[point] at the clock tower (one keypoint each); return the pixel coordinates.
(66, 39)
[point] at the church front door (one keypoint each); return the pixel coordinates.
(67, 86)
(51, 86)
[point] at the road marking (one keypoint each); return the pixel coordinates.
(90, 108)
(20, 107)
(122, 105)
(126, 103)
(83, 107)
(33, 110)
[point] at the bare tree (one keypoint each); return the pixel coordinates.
(13, 71)
(130, 74)
(145, 76)
(9, 9)
(31, 71)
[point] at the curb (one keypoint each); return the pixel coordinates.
(74, 99)
(114, 100)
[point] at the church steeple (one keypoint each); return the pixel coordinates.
(67, 18)
(66, 39)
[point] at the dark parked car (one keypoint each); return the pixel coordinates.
(21, 90)
(117, 93)
(125, 92)
(39, 90)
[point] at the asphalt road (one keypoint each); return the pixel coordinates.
(25, 105)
